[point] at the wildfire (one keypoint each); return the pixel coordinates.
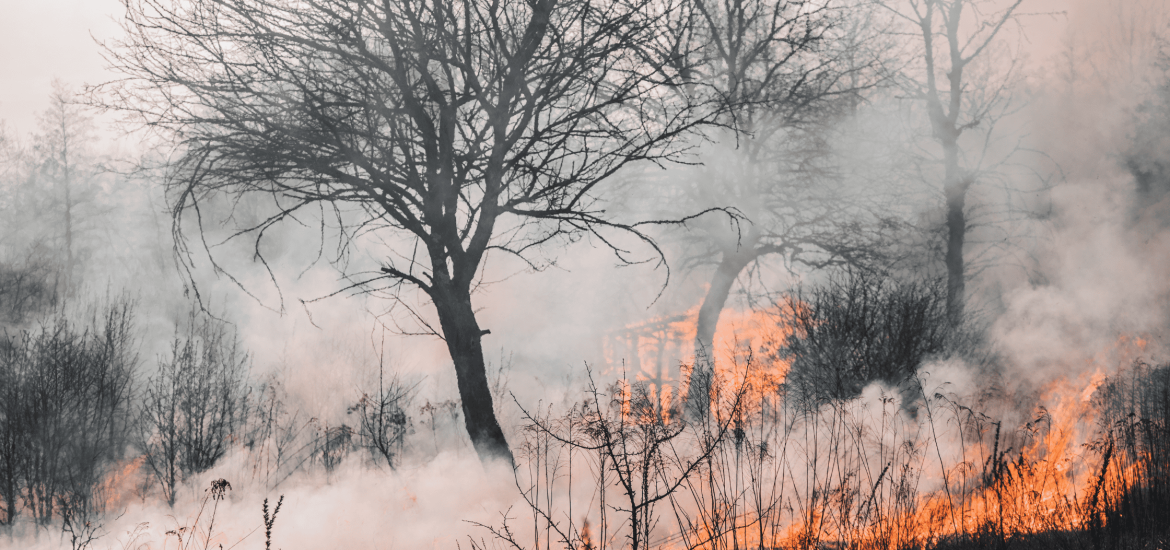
(660, 352)
(1050, 482)
(119, 486)
(876, 475)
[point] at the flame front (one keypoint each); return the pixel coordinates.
(896, 467)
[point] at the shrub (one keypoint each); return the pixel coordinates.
(642, 454)
(858, 329)
(382, 420)
(65, 396)
(196, 404)
(331, 445)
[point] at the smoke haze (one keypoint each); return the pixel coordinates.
(1073, 279)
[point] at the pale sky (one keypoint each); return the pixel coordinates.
(43, 39)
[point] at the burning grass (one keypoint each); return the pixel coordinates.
(1085, 469)
(949, 454)
(853, 421)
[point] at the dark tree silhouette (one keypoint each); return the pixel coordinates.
(465, 127)
(953, 34)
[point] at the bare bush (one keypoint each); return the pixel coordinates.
(331, 445)
(278, 439)
(64, 413)
(196, 405)
(641, 451)
(861, 328)
(382, 420)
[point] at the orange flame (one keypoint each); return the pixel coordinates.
(1037, 478)
(661, 351)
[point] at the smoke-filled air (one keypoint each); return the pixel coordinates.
(585, 274)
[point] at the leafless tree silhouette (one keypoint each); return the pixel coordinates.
(459, 128)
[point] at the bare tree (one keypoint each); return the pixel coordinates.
(29, 264)
(954, 34)
(13, 432)
(1145, 155)
(66, 162)
(49, 208)
(458, 127)
(783, 73)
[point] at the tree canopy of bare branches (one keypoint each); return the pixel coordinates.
(459, 127)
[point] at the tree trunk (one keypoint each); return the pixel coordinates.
(68, 205)
(463, 337)
(699, 390)
(8, 478)
(955, 190)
